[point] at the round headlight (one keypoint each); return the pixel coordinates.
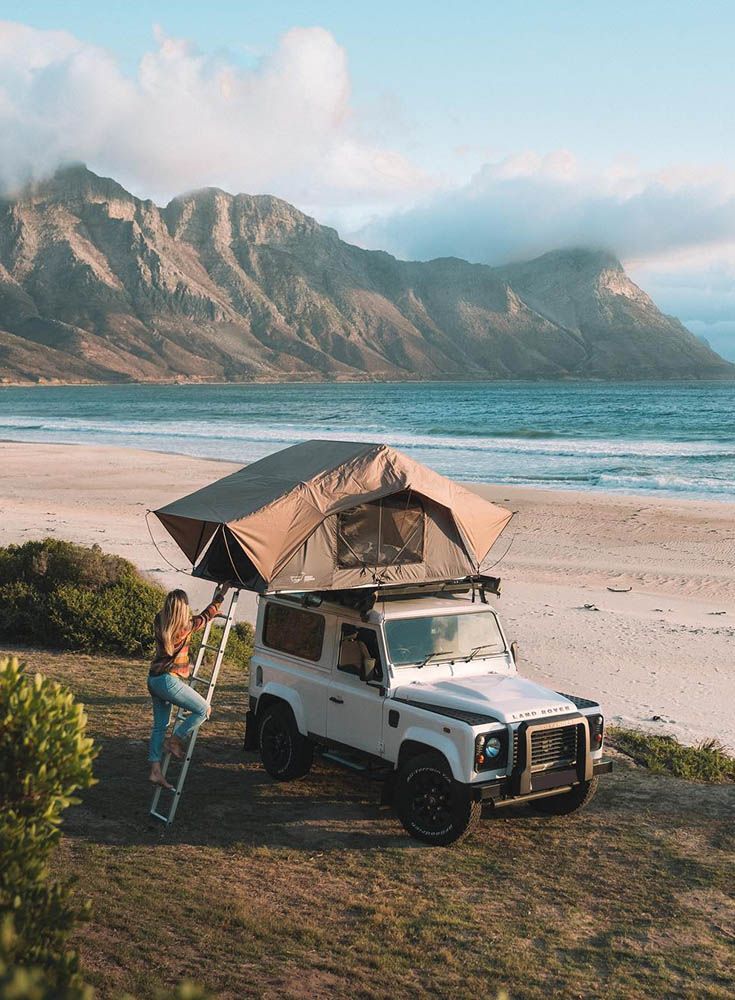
(492, 746)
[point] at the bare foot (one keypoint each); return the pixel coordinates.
(175, 746)
(156, 778)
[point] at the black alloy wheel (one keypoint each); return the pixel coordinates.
(432, 806)
(285, 753)
(430, 802)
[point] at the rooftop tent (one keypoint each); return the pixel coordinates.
(333, 515)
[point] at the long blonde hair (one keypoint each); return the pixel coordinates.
(175, 618)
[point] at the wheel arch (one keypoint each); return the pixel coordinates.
(418, 741)
(274, 693)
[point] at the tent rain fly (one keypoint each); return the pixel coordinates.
(334, 515)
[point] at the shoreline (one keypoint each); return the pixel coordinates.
(662, 648)
(317, 379)
(657, 496)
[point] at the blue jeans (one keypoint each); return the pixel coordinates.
(168, 690)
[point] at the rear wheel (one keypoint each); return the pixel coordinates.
(285, 753)
(432, 806)
(567, 802)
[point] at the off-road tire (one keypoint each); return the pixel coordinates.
(567, 802)
(432, 806)
(285, 753)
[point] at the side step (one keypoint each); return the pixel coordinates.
(374, 772)
(352, 765)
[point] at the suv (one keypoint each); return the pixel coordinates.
(421, 691)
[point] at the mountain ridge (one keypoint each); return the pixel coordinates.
(97, 285)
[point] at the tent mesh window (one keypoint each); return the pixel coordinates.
(386, 532)
(291, 630)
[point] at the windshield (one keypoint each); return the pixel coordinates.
(434, 638)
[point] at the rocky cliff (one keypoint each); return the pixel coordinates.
(97, 285)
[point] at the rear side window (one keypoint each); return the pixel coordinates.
(294, 631)
(387, 532)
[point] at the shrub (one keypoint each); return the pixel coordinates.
(709, 761)
(44, 758)
(62, 595)
(239, 644)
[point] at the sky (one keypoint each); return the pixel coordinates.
(487, 130)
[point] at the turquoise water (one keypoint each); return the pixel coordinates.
(667, 439)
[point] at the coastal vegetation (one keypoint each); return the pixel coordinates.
(59, 595)
(663, 754)
(45, 757)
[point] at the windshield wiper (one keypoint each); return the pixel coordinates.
(439, 652)
(476, 650)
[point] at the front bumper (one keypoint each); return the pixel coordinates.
(548, 782)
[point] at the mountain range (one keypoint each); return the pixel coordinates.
(97, 285)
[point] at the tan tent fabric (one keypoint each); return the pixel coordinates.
(275, 525)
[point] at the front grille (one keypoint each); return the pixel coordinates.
(553, 748)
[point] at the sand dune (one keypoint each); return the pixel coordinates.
(665, 648)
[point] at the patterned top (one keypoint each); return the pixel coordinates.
(179, 664)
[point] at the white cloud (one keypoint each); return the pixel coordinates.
(527, 204)
(187, 120)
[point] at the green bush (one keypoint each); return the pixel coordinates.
(45, 757)
(662, 754)
(239, 644)
(58, 594)
(66, 596)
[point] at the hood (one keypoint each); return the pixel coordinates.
(508, 699)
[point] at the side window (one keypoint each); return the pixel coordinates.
(294, 631)
(359, 653)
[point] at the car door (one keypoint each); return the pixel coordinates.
(355, 706)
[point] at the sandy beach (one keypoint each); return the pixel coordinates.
(660, 655)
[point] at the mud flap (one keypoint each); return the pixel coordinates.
(386, 791)
(250, 742)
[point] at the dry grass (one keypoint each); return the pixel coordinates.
(310, 890)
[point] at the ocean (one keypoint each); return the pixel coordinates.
(667, 439)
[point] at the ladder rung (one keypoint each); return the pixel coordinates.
(214, 649)
(158, 815)
(200, 680)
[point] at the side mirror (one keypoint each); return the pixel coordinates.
(514, 652)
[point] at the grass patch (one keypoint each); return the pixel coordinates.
(309, 889)
(709, 761)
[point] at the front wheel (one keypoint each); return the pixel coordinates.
(432, 806)
(568, 802)
(285, 753)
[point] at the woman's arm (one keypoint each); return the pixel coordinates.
(199, 621)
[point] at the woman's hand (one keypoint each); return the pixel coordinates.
(219, 594)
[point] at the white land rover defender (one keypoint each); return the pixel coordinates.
(421, 690)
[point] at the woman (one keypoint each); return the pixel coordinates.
(174, 627)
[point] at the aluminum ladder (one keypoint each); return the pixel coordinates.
(202, 680)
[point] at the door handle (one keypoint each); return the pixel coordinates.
(337, 701)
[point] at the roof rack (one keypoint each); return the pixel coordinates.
(364, 599)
